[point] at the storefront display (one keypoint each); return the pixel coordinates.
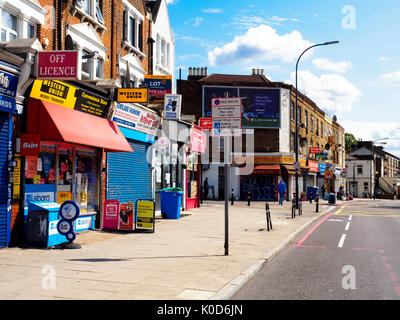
(192, 181)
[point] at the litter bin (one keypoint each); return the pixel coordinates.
(332, 198)
(171, 200)
(315, 191)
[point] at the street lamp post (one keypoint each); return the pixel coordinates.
(297, 129)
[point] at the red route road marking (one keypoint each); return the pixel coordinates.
(394, 277)
(398, 290)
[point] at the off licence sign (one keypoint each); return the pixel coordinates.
(57, 65)
(226, 113)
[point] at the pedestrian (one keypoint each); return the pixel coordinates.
(341, 192)
(281, 191)
(323, 191)
(206, 188)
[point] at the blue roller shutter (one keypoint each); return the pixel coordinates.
(4, 214)
(129, 174)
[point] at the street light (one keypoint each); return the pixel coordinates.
(297, 129)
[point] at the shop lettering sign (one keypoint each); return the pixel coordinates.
(314, 165)
(132, 95)
(57, 65)
(136, 118)
(172, 106)
(315, 150)
(30, 145)
(205, 123)
(8, 92)
(70, 97)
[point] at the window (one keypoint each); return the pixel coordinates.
(86, 66)
(132, 31)
(99, 68)
(140, 29)
(359, 169)
(365, 185)
(292, 111)
(306, 118)
(163, 53)
(316, 126)
(91, 8)
(322, 130)
(98, 12)
(30, 30)
(292, 139)
(9, 24)
(311, 122)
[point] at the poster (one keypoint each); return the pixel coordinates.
(17, 178)
(126, 216)
(31, 167)
(64, 196)
(193, 189)
(145, 214)
(111, 217)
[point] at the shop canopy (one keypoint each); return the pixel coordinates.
(268, 169)
(57, 123)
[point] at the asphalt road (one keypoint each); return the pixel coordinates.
(351, 253)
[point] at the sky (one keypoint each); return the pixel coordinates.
(358, 80)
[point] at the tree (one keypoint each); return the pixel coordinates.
(349, 140)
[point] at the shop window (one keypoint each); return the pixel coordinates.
(85, 180)
(41, 170)
(64, 174)
(192, 176)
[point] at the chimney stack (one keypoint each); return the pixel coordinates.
(196, 73)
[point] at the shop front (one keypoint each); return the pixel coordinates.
(8, 108)
(129, 174)
(62, 150)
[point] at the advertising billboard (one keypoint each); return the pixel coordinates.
(261, 107)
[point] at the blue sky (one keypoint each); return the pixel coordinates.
(358, 80)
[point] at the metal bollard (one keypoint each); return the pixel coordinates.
(310, 197)
(248, 198)
(232, 195)
(268, 215)
(300, 208)
(293, 208)
(317, 203)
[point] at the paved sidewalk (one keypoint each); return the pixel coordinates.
(183, 259)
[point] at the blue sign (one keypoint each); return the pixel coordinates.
(8, 92)
(322, 167)
(264, 105)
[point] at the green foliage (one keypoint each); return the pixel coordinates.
(349, 141)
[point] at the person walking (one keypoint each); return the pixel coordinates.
(206, 188)
(281, 191)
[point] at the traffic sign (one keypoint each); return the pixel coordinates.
(226, 114)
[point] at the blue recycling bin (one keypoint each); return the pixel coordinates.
(171, 200)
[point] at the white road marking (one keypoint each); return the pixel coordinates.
(339, 220)
(340, 245)
(350, 217)
(347, 226)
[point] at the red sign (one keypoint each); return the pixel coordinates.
(30, 145)
(198, 140)
(126, 216)
(313, 165)
(315, 150)
(206, 123)
(111, 214)
(57, 65)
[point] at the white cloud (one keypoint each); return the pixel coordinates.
(326, 64)
(258, 45)
(331, 92)
(245, 22)
(383, 59)
(392, 78)
(212, 10)
(171, 1)
(371, 130)
(197, 21)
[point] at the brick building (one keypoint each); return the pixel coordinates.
(273, 153)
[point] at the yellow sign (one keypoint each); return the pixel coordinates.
(36, 179)
(152, 76)
(328, 175)
(55, 92)
(145, 214)
(64, 196)
(132, 95)
(267, 160)
(17, 178)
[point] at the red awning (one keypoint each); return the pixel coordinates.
(267, 169)
(58, 123)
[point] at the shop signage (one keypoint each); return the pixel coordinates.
(30, 145)
(8, 91)
(198, 140)
(17, 178)
(70, 97)
(329, 175)
(172, 106)
(205, 123)
(126, 216)
(313, 165)
(136, 118)
(145, 214)
(330, 139)
(315, 150)
(162, 143)
(132, 95)
(64, 196)
(158, 87)
(226, 115)
(111, 214)
(57, 65)
(322, 168)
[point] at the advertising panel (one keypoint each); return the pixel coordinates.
(136, 118)
(313, 165)
(8, 91)
(205, 123)
(70, 97)
(145, 214)
(158, 87)
(172, 106)
(261, 107)
(30, 145)
(198, 140)
(111, 214)
(132, 95)
(57, 65)
(126, 216)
